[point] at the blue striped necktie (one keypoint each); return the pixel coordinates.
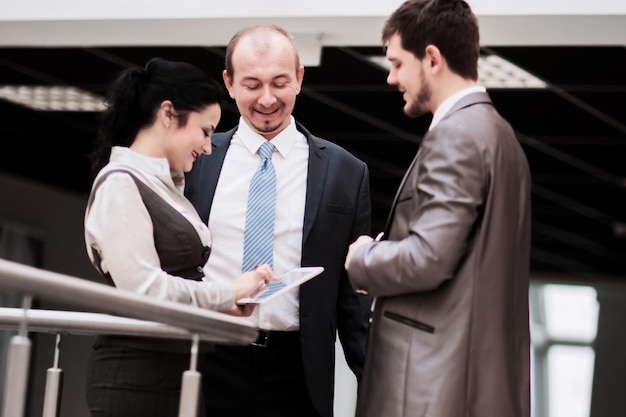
(258, 240)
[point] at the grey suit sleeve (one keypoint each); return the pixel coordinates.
(434, 216)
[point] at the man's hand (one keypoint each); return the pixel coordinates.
(360, 241)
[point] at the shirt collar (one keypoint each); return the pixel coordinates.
(151, 165)
(159, 167)
(448, 103)
(283, 142)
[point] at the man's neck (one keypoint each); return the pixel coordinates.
(447, 86)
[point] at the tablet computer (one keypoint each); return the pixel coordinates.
(291, 279)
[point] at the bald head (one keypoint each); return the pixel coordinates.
(260, 39)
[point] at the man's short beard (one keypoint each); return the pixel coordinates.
(268, 129)
(418, 108)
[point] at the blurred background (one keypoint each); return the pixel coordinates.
(555, 70)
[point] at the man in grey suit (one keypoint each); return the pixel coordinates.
(450, 332)
(322, 204)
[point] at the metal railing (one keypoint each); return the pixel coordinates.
(110, 311)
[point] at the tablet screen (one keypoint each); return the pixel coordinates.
(291, 279)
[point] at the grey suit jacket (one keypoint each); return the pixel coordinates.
(450, 332)
(337, 211)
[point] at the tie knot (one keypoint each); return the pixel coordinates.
(266, 150)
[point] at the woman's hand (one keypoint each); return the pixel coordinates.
(253, 281)
(243, 310)
(249, 283)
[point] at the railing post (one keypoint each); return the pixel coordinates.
(18, 361)
(141, 316)
(192, 379)
(54, 385)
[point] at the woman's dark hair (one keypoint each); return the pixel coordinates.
(134, 98)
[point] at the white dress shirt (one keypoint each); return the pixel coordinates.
(228, 215)
(448, 103)
(119, 226)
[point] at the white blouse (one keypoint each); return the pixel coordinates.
(119, 227)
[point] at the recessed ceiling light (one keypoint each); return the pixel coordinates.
(52, 98)
(497, 72)
(493, 72)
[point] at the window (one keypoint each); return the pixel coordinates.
(564, 321)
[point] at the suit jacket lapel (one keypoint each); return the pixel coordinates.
(395, 199)
(316, 178)
(212, 170)
(468, 100)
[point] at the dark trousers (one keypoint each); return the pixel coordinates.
(126, 382)
(254, 381)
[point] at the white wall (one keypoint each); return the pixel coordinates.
(345, 386)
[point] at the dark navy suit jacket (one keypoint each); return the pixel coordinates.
(337, 211)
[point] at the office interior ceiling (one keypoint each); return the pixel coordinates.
(573, 132)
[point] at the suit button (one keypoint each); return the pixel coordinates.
(199, 269)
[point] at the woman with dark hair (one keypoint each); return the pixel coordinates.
(144, 236)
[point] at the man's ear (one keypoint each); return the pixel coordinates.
(434, 59)
(299, 78)
(228, 82)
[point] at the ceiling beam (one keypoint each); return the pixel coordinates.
(335, 23)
